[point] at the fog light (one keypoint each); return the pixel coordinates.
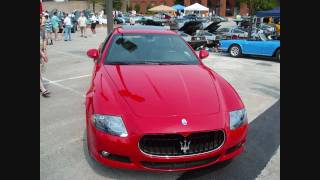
(105, 153)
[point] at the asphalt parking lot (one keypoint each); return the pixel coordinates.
(63, 153)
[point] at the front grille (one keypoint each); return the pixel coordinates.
(178, 165)
(177, 145)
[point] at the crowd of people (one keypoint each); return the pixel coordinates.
(49, 33)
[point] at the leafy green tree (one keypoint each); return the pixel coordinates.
(148, 7)
(129, 8)
(94, 2)
(179, 2)
(165, 2)
(117, 4)
(258, 5)
(137, 8)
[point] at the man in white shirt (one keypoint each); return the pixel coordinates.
(82, 24)
(67, 27)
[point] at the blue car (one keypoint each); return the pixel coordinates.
(261, 46)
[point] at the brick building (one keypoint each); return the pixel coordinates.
(221, 7)
(144, 4)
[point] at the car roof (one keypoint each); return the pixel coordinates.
(143, 29)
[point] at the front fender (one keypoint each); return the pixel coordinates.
(230, 97)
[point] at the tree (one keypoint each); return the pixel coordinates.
(148, 7)
(136, 7)
(94, 2)
(257, 5)
(129, 8)
(164, 2)
(180, 2)
(117, 4)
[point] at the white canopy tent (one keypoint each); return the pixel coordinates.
(196, 7)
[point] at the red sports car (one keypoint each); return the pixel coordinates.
(153, 105)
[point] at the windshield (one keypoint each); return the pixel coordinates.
(149, 49)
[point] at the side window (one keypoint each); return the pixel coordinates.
(237, 31)
(184, 35)
(105, 42)
(224, 30)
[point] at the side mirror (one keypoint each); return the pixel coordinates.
(203, 54)
(93, 53)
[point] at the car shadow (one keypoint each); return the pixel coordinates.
(268, 90)
(114, 173)
(262, 142)
(260, 58)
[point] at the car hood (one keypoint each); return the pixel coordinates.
(165, 90)
(190, 27)
(213, 27)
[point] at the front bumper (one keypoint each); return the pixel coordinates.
(125, 152)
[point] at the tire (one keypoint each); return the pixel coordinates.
(235, 51)
(278, 55)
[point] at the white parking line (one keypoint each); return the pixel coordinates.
(77, 77)
(69, 54)
(64, 87)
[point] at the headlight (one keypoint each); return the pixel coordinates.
(237, 118)
(110, 124)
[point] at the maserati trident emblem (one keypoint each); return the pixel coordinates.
(185, 146)
(184, 122)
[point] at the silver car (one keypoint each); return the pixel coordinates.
(232, 32)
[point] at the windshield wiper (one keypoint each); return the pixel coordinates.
(176, 63)
(162, 63)
(148, 62)
(118, 63)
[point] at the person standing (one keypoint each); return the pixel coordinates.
(48, 28)
(42, 30)
(132, 21)
(82, 24)
(74, 21)
(93, 23)
(278, 28)
(67, 27)
(43, 60)
(55, 24)
(101, 14)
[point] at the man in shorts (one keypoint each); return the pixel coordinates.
(94, 21)
(82, 24)
(55, 25)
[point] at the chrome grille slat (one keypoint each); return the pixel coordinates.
(169, 144)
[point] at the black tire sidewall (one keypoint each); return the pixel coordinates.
(278, 55)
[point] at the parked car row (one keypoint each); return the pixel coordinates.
(202, 32)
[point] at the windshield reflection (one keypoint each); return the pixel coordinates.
(160, 49)
(127, 44)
